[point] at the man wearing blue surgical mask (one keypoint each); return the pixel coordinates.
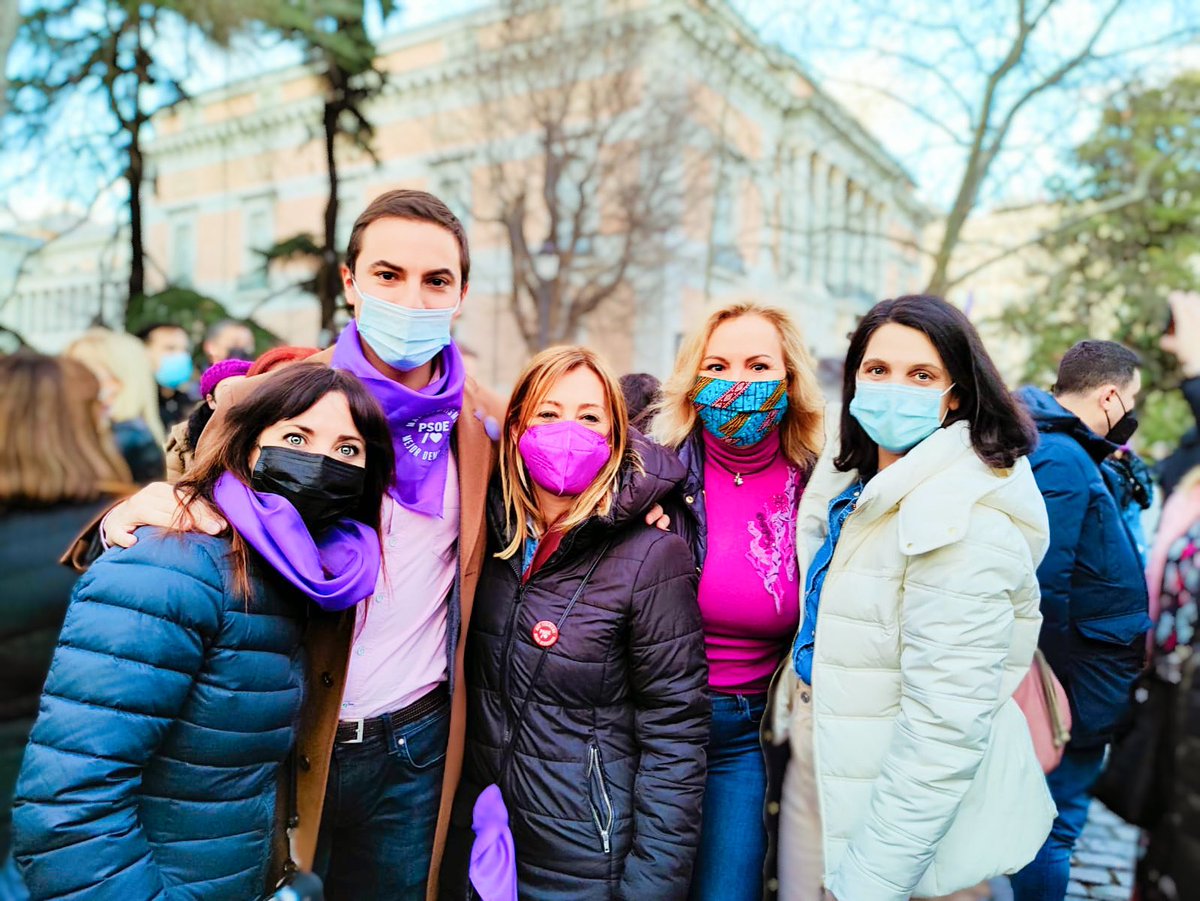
(380, 743)
(1094, 599)
(170, 353)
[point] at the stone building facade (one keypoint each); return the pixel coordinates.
(804, 208)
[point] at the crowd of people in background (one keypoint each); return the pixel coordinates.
(352, 625)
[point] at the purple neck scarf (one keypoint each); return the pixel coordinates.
(336, 573)
(421, 422)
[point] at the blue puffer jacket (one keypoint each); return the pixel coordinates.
(1094, 598)
(169, 709)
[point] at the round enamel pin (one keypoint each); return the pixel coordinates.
(545, 634)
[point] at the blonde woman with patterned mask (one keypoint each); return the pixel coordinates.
(743, 410)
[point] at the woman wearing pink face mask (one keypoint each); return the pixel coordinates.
(586, 673)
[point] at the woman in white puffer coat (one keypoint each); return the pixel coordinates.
(912, 771)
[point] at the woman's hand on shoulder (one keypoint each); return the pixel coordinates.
(159, 505)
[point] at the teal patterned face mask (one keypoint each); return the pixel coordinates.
(739, 413)
(897, 417)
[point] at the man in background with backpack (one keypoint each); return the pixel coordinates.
(1094, 599)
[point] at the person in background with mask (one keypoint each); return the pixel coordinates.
(743, 411)
(170, 353)
(128, 396)
(228, 340)
(381, 743)
(185, 436)
(1094, 596)
(912, 772)
(588, 710)
(173, 697)
(58, 468)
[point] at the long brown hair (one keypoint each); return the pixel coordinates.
(284, 395)
(54, 444)
(532, 387)
(801, 433)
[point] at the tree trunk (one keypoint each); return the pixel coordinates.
(328, 282)
(10, 21)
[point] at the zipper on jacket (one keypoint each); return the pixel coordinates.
(510, 635)
(602, 819)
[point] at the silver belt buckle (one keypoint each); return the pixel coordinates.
(358, 737)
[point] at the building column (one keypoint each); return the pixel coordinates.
(818, 231)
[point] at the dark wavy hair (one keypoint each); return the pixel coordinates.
(284, 395)
(1001, 429)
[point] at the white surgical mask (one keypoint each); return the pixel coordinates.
(403, 337)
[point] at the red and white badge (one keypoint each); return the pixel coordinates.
(545, 634)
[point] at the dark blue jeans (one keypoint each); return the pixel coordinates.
(381, 809)
(733, 838)
(1046, 878)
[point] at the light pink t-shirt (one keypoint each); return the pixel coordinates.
(399, 650)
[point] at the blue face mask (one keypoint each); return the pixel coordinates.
(174, 370)
(897, 417)
(404, 338)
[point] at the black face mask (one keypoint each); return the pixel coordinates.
(1122, 430)
(323, 490)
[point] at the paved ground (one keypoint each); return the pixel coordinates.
(1105, 858)
(1104, 861)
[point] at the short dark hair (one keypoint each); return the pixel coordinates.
(146, 331)
(642, 392)
(419, 206)
(1090, 364)
(1001, 430)
(214, 331)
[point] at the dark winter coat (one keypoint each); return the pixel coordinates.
(689, 518)
(170, 706)
(1186, 456)
(606, 781)
(34, 592)
(1094, 598)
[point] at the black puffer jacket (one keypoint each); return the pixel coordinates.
(606, 780)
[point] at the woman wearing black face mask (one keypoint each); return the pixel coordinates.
(174, 692)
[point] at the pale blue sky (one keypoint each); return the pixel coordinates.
(852, 55)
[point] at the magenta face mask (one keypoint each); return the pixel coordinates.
(564, 458)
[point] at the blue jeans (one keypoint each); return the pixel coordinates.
(1046, 878)
(733, 837)
(381, 810)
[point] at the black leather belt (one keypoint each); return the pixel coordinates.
(355, 732)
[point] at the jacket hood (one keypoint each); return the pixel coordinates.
(650, 473)
(1052, 417)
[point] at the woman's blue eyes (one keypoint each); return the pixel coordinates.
(348, 450)
(299, 439)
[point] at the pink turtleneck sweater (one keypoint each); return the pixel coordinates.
(749, 586)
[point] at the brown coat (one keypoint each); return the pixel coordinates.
(329, 636)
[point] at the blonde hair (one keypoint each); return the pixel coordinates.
(801, 432)
(123, 357)
(1190, 480)
(56, 449)
(532, 387)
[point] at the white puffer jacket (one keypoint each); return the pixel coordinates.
(928, 621)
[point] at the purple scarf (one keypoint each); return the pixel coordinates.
(493, 865)
(421, 422)
(337, 573)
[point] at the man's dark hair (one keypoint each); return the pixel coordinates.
(146, 331)
(1090, 364)
(419, 206)
(215, 330)
(1001, 430)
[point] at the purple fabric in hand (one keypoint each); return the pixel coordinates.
(493, 869)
